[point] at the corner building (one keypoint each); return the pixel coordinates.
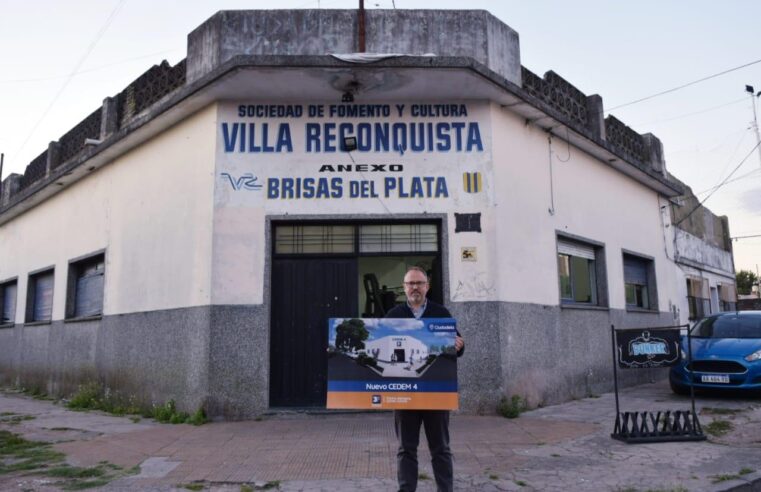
(190, 238)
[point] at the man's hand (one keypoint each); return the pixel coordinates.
(459, 343)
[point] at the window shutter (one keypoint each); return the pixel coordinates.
(43, 297)
(9, 304)
(635, 271)
(576, 249)
(728, 293)
(89, 295)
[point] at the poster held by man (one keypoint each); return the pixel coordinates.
(388, 363)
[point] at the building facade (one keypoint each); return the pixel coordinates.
(703, 254)
(190, 239)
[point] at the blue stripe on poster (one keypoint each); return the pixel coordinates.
(394, 385)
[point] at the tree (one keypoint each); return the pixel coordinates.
(745, 280)
(351, 335)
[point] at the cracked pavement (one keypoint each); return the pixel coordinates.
(560, 447)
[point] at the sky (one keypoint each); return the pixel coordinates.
(379, 328)
(59, 60)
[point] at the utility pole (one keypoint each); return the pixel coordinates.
(749, 89)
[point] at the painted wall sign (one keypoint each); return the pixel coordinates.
(409, 156)
(642, 348)
(392, 363)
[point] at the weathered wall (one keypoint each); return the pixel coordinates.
(149, 357)
(150, 210)
(473, 33)
(702, 253)
(575, 194)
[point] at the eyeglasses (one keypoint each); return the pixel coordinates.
(415, 284)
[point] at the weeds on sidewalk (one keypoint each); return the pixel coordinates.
(39, 458)
(92, 396)
(721, 411)
(513, 407)
(718, 427)
(11, 418)
(733, 476)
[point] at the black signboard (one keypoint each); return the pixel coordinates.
(641, 348)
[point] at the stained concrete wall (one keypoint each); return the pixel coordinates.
(149, 357)
(473, 33)
(702, 253)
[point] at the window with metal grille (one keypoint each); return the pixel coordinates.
(727, 297)
(314, 239)
(698, 299)
(639, 282)
(84, 296)
(395, 238)
(39, 304)
(352, 239)
(8, 302)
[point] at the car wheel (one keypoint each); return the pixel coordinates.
(677, 389)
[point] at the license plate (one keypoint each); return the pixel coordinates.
(714, 378)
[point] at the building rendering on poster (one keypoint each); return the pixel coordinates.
(392, 363)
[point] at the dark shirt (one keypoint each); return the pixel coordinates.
(432, 310)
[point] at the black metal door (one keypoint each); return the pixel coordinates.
(305, 293)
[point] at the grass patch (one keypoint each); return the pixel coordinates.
(18, 454)
(493, 477)
(555, 455)
(11, 418)
(274, 484)
(246, 488)
(192, 486)
(746, 471)
(92, 396)
(520, 483)
(39, 458)
(718, 427)
(423, 476)
(513, 407)
(724, 478)
(721, 411)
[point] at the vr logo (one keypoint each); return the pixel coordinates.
(246, 181)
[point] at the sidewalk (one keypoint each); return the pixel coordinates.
(563, 447)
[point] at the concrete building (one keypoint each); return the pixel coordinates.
(190, 238)
(397, 348)
(702, 250)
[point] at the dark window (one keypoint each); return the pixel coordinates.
(698, 298)
(727, 297)
(581, 267)
(40, 296)
(85, 287)
(8, 302)
(639, 282)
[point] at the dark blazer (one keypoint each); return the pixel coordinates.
(432, 310)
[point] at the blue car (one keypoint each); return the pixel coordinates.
(726, 354)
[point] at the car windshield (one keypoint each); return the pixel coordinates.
(728, 327)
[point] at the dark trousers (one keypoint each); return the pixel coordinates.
(407, 426)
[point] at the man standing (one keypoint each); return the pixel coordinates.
(436, 422)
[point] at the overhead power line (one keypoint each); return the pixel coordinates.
(742, 176)
(94, 69)
(719, 185)
(76, 68)
(713, 108)
(683, 85)
(744, 237)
